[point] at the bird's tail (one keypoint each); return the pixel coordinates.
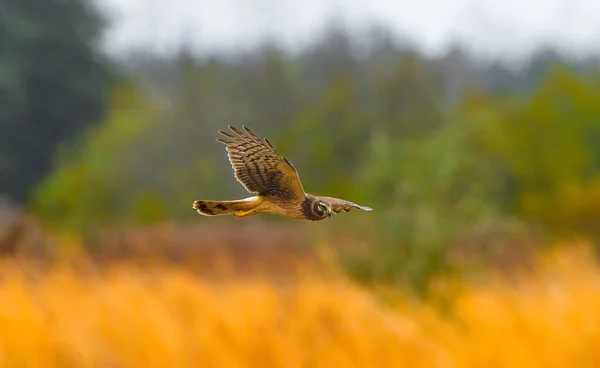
(240, 207)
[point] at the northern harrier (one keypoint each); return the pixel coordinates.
(273, 180)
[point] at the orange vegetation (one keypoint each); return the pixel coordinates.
(130, 316)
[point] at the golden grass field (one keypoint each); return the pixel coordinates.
(127, 315)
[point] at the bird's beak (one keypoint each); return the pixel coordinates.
(329, 211)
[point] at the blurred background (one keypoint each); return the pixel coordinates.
(471, 127)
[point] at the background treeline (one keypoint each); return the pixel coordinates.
(445, 148)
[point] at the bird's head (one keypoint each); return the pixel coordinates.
(322, 209)
(315, 208)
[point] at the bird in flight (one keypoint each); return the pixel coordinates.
(273, 181)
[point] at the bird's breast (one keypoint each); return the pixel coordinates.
(281, 207)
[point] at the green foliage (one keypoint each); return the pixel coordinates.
(148, 207)
(550, 144)
(92, 179)
(427, 191)
(377, 132)
(407, 104)
(326, 136)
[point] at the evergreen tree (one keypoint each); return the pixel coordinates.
(52, 84)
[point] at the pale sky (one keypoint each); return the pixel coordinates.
(506, 28)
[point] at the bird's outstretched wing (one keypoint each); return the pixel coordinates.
(259, 167)
(339, 204)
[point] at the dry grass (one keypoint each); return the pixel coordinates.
(129, 316)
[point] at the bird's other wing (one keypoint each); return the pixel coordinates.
(259, 167)
(339, 204)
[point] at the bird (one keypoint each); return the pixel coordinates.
(273, 182)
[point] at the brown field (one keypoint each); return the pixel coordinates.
(78, 313)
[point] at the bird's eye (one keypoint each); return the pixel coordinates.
(322, 207)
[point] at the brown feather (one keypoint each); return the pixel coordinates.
(236, 207)
(259, 168)
(231, 136)
(337, 205)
